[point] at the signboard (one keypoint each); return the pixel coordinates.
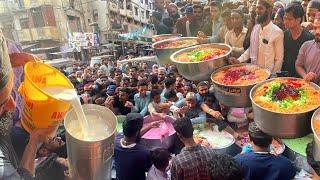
(78, 39)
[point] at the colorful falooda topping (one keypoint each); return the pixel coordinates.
(201, 54)
(287, 95)
(241, 75)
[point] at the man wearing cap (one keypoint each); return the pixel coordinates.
(260, 162)
(172, 10)
(294, 37)
(308, 61)
(189, 107)
(132, 159)
(161, 73)
(312, 9)
(182, 25)
(10, 167)
(266, 41)
(192, 162)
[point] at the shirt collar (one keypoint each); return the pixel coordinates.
(267, 26)
(192, 148)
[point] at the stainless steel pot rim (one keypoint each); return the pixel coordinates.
(266, 81)
(172, 57)
(236, 65)
(315, 115)
(169, 40)
(160, 35)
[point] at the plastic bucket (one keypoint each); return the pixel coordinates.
(41, 110)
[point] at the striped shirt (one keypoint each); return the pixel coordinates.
(192, 163)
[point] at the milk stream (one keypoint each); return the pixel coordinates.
(83, 133)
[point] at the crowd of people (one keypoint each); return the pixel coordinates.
(285, 38)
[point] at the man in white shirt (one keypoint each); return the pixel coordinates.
(266, 42)
(235, 37)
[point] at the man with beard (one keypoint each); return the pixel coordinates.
(308, 61)
(266, 42)
(120, 105)
(132, 159)
(173, 12)
(10, 168)
(294, 37)
(161, 73)
(181, 26)
(197, 24)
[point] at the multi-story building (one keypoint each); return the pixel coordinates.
(45, 23)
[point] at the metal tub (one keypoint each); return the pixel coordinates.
(316, 141)
(234, 95)
(165, 36)
(91, 160)
(281, 125)
(201, 71)
(164, 54)
(152, 144)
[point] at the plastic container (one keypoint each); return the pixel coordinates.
(41, 110)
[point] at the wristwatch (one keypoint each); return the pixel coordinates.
(210, 110)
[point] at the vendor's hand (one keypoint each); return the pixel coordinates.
(128, 104)
(201, 35)
(39, 136)
(216, 114)
(310, 76)
(249, 25)
(155, 124)
(233, 60)
(20, 59)
(162, 115)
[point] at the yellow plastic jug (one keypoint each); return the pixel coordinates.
(41, 110)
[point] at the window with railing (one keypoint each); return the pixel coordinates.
(128, 4)
(136, 11)
(142, 14)
(121, 4)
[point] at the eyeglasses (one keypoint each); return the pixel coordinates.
(5, 102)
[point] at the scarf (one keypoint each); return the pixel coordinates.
(254, 43)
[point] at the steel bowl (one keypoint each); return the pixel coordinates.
(164, 54)
(281, 125)
(234, 95)
(316, 141)
(165, 36)
(152, 144)
(201, 71)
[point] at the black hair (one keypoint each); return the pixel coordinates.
(134, 67)
(226, 13)
(170, 94)
(238, 11)
(160, 158)
(184, 127)
(258, 137)
(169, 82)
(125, 79)
(154, 93)
(153, 79)
(124, 89)
(296, 10)
(314, 4)
(213, 3)
(202, 83)
(157, 15)
(104, 76)
(142, 83)
(118, 71)
(50, 169)
(197, 6)
(224, 167)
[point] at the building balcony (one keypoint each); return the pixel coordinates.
(24, 35)
(45, 33)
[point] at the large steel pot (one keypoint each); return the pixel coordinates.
(164, 54)
(281, 125)
(152, 144)
(316, 141)
(164, 36)
(234, 95)
(201, 71)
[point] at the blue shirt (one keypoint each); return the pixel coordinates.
(141, 104)
(265, 166)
